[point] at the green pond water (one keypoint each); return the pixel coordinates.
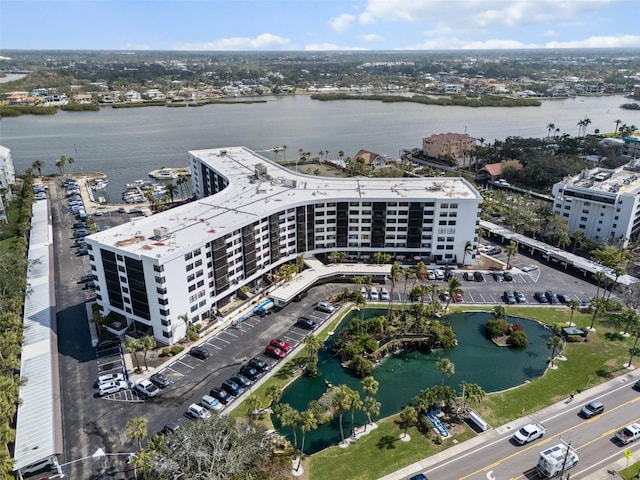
(402, 376)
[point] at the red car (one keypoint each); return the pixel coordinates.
(274, 352)
(281, 344)
(459, 298)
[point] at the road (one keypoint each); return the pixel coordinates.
(493, 455)
(91, 423)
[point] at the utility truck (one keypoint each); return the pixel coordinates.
(556, 460)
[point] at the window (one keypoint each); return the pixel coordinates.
(158, 268)
(188, 256)
(164, 313)
(163, 301)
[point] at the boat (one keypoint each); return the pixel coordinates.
(99, 184)
(170, 173)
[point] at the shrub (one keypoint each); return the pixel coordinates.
(517, 339)
(166, 352)
(496, 327)
(176, 349)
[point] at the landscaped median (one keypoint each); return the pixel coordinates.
(600, 358)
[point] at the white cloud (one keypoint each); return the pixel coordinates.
(371, 37)
(328, 46)
(549, 33)
(366, 18)
(612, 41)
(454, 43)
(264, 41)
(342, 22)
(481, 14)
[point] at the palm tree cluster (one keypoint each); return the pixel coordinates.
(582, 126)
(13, 288)
(144, 344)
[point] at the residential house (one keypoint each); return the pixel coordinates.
(132, 96)
(83, 98)
(493, 171)
(370, 159)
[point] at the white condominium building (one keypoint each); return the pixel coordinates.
(251, 216)
(602, 203)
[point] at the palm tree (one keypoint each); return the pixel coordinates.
(147, 343)
(171, 189)
(408, 418)
(573, 304)
(341, 403)
(471, 392)
(61, 163)
(306, 421)
(273, 393)
(355, 403)
(600, 277)
(634, 350)
(408, 274)
(70, 161)
(550, 128)
(313, 344)
(370, 385)
(37, 165)
(598, 305)
(394, 276)
(447, 368)
(631, 319)
(455, 289)
(371, 407)
(468, 248)
(617, 122)
(132, 345)
(499, 311)
(554, 343)
(252, 404)
(512, 252)
(137, 429)
(288, 417)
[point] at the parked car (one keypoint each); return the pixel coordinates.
(373, 294)
(135, 210)
(259, 365)
(552, 297)
(444, 296)
(478, 276)
(197, 412)
(112, 387)
(508, 297)
(170, 427)
(274, 352)
(449, 274)
(306, 323)
(507, 276)
(211, 403)
(439, 274)
(497, 276)
(110, 377)
(459, 297)
(200, 352)
(82, 251)
(147, 388)
(520, 298)
(88, 277)
(528, 268)
(539, 296)
(122, 210)
(300, 296)
(250, 372)
(221, 395)
(98, 213)
(107, 344)
(241, 380)
(160, 380)
(592, 409)
(563, 298)
(232, 388)
(468, 277)
(281, 344)
(325, 307)
(384, 294)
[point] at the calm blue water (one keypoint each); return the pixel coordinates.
(128, 143)
(402, 377)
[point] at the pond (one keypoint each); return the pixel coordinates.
(402, 376)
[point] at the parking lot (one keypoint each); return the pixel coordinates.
(91, 421)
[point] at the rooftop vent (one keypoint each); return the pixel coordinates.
(223, 153)
(160, 233)
(261, 170)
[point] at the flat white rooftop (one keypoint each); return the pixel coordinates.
(622, 180)
(247, 199)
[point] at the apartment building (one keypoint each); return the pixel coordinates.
(251, 216)
(7, 178)
(602, 203)
(448, 145)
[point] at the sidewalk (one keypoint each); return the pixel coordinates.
(493, 434)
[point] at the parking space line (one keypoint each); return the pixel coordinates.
(231, 334)
(214, 346)
(185, 364)
(217, 337)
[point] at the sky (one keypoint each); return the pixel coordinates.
(281, 25)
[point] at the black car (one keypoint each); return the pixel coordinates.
(82, 251)
(507, 276)
(88, 277)
(300, 296)
(539, 296)
(88, 285)
(497, 276)
(241, 380)
(552, 297)
(220, 394)
(160, 380)
(448, 274)
(259, 365)
(478, 276)
(107, 344)
(250, 372)
(200, 352)
(306, 323)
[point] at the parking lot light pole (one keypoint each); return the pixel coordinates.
(98, 454)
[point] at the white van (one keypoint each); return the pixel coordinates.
(211, 403)
(198, 411)
(373, 293)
